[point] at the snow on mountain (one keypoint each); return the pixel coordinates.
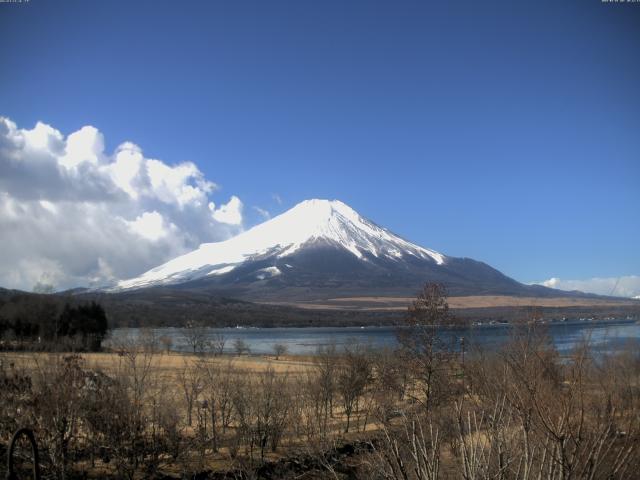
(308, 222)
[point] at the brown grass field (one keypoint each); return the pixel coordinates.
(390, 406)
(166, 369)
(475, 301)
(167, 364)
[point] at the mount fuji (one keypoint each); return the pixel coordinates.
(323, 249)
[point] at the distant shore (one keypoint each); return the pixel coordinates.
(461, 302)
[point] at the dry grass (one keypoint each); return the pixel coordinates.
(475, 301)
(167, 363)
(165, 382)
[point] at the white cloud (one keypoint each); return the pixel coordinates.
(149, 225)
(627, 286)
(72, 214)
(263, 212)
(43, 137)
(229, 213)
(85, 145)
(171, 184)
(127, 170)
(277, 198)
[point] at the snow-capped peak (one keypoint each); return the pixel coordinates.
(308, 222)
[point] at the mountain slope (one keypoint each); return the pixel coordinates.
(323, 249)
(308, 223)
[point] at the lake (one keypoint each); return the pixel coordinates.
(604, 336)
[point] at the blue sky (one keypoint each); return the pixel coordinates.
(504, 131)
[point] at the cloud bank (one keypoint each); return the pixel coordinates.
(628, 286)
(72, 214)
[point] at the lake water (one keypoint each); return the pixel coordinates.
(604, 336)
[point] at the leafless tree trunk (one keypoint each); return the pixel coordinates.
(353, 376)
(195, 335)
(190, 381)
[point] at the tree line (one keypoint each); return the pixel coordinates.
(32, 321)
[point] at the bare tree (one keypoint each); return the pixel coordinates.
(122, 417)
(411, 450)
(391, 379)
(535, 415)
(353, 376)
(425, 353)
(242, 392)
(217, 344)
(312, 411)
(58, 404)
(217, 391)
(240, 346)
(326, 361)
(195, 335)
(279, 349)
(272, 408)
(191, 384)
(147, 340)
